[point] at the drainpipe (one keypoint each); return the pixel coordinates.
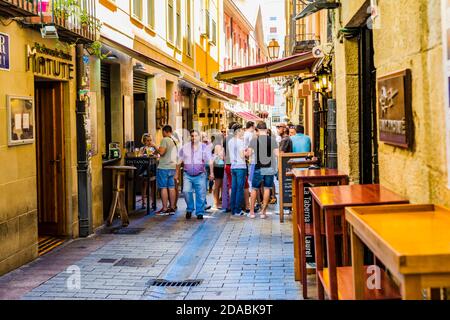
(83, 172)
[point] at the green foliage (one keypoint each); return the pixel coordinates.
(96, 49)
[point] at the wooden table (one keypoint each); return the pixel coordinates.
(301, 230)
(412, 241)
(329, 211)
(118, 201)
(298, 163)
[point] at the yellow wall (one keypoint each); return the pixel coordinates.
(18, 186)
(408, 40)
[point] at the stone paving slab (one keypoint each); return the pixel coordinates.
(239, 258)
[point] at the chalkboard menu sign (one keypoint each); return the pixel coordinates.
(286, 181)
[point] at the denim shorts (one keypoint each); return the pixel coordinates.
(258, 179)
(165, 178)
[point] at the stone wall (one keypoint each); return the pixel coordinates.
(410, 37)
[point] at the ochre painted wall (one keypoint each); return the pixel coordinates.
(18, 186)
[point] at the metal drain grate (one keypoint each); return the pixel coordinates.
(135, 262)
(106, 260)
(167, 283)
(128, 231)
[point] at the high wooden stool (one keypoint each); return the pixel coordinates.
(118, 199)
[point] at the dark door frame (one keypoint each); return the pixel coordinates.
(55, 168)
(368, 137)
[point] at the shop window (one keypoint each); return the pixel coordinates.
(162, 112)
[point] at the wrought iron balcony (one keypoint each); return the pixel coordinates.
(74, 20)
(19, 8)
(303, 42)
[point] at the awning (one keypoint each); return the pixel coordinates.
(211, 92)
(292, 65)
(138, 55)
(246, 115)
(316, 6)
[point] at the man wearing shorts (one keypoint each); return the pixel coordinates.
(264, 152)
(165, 172)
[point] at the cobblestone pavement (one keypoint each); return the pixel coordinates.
(234, 258)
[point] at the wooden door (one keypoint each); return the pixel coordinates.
(50, 157)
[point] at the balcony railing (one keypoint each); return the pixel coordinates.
(19, 8)
(303, 42)
(75, 20)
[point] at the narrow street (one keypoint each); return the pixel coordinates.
(232, 258)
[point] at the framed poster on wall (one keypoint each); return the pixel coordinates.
(395, 110)
(20, 113)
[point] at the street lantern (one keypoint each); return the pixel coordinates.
(323, 80)
(274, 49)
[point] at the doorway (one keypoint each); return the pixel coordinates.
(368, 147)
(140, 118)
(50, 157)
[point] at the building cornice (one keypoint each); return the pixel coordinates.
(233, 11)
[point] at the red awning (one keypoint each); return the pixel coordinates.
(248, 116)
(292, 65)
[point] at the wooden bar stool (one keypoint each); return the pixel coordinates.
(118, 199)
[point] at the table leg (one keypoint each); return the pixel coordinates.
(112, 210)
(357, 248)
(154, 194)
(123, 210)
(148, 193)
(346, 256)
(296, 238)
(318, 248)
(331, 251)
(411, 288)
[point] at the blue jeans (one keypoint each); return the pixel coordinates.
(195, 184)
(237, 189)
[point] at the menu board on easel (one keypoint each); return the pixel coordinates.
(285, 181)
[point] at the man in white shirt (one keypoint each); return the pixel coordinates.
(236, 149)
(249, 133)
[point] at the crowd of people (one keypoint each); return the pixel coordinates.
(237, 165)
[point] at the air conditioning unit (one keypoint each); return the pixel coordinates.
(49, 32)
